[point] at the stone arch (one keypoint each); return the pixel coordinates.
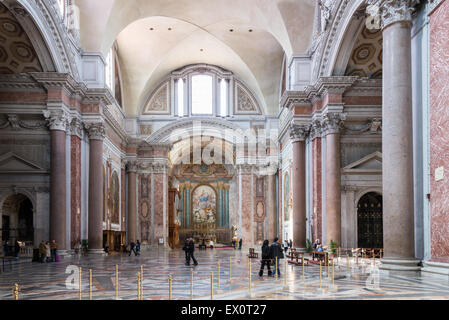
(338, 38)
(18, 229)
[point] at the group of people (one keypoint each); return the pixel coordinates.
(234, 243)
(189, 248)
(287, 244)
(269, 255)
(6, 247)
(134, 247)
(48, 251)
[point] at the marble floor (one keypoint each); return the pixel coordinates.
(362, 281)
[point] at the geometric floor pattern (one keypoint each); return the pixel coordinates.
(59, 281)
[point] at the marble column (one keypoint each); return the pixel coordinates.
(132, 205)
(58, 122)
(298, 136)
(397, 138)
(96, 133)
(331, 124)
(271, 212)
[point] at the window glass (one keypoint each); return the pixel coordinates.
(223, 97)
(202, 95)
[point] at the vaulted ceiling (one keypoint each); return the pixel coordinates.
(158, 36)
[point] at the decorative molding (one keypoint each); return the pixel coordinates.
(393, 11)
(373, 126)
(159, 101)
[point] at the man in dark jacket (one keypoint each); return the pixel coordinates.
(276, 252)
(266, 258)
(132, 248)
(186, 250)
(191, 249)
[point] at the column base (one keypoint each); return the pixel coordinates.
(64, 253)
(99, 252)
(395, 266)
(435, 269)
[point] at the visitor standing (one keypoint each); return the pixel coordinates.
(42, 251)
(276, 252)
(17, 249)
(54, 249)
(132, 248)
(240, 244)
(211, 244)
(191, 249)
(285, 246)
(47, 252)
(138, 248)
(290, 244)
(266, 258)
(186, 250)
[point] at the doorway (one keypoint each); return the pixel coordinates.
(369, 221)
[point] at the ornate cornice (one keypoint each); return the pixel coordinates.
(57, 119)
(95, 130)
(152, 165)
(14, 121)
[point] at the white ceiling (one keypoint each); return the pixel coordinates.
(146, 57)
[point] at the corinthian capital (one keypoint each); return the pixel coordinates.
(332, 122)
(57, 119)
(299, 132)
(95, 130)
(132, 165)
(393, 11)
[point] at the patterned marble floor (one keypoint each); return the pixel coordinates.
(48, 281)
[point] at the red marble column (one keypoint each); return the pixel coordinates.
(331, 125)
(397, 139)
(132, 205)
(298, 134)
(58, 188)
(75, 193)
(58, 121)
(96, 133)
(317, 191)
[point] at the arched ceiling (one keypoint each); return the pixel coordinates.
(147, 56)
(17, 54)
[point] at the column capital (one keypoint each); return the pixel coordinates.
(392, 11)
(131, 165)
(332, 122)
(58, 119)
(299, 132)
(76, 128)
(315, 129)
(95, 130)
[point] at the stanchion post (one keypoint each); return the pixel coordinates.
(212, 285)
(80, 285)
(15, 292)
(333, 275)
(90, 284)
(321, 275)
(138, 285)
(141, 282)
(116, 282)
(169, 287)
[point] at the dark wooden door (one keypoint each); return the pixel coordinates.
(369, 221)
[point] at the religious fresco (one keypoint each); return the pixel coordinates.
(286, 197)
(204, 205)
(115, 190)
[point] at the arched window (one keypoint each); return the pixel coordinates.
(201, 90)
(109, 72)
